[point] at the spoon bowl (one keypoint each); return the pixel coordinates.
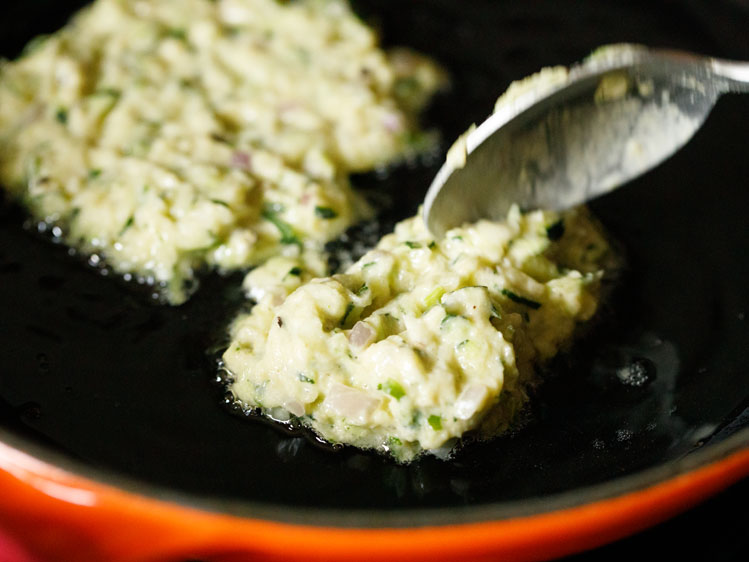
(564, 136)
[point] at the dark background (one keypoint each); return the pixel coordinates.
(90, 368)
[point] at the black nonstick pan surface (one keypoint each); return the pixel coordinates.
(94, 370)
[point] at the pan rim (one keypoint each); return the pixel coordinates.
(38, 461)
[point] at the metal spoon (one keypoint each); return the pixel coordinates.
(563, 137)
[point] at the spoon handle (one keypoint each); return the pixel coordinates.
(735, 72)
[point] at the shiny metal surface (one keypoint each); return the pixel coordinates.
(566, 136)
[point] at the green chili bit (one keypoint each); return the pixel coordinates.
(521, 300)
(435, 421)
(434, 297)
(393, 388)
(325, 212)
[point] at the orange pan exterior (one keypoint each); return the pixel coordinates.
(59, 517)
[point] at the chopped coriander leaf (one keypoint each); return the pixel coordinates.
(177, 33)
(393, 388)
(412, 245)
(128, 223)
(304, 378)
(349, 309)
(432, 245)
(219, 202)
(435, 421)
(362, 289)
(295, 271)
(61, 115)
(555, 231)
(521, 300)
(93, 174)
(325, 212)
(368, 264)
(284, 228)
(394, 441)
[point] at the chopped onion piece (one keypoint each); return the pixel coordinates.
(354, 405)
(470, 400)
(361, 335)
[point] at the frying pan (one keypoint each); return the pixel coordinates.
(115, 444)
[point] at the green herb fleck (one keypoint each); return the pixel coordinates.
(61, 115)
(177, 33)
(432, 245)
(128, 223)
(325, 213)
(219, 202)
(435, 421)
(304, 378)
(284, 228)
(362, 289)
(412, 245)
(295, 271)
(349, 310)
(463, 343)
(393, 441)
(521, 300)
(555, 231)
(93, 174)
(393, 388)
(368, 264)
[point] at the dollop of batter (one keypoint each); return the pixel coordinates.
(421, 340)
(169, 135)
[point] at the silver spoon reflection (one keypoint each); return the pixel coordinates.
(565, 136)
